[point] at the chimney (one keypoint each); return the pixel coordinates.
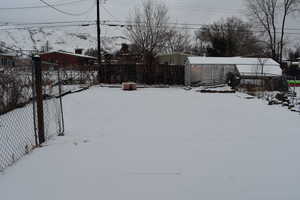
(78, 51)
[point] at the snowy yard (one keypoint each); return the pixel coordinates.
(163, 144)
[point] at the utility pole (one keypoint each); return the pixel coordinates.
(99, 39)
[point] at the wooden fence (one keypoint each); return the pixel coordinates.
(158, 74)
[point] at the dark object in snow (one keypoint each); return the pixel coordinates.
(285, 104)
(291, 106)
(233, 80)
(282, 97)
(295, 110)
(274, 102)
(216, 91)
(187, 88)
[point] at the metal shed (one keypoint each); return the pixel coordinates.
(214, 70)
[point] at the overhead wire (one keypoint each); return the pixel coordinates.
(181, 25)
(68, 13)
(105, 23)
(43, 6)
(50, 26)
(86, 17)
(112, 16)
(121, 23)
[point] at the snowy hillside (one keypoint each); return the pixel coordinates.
(62, 38)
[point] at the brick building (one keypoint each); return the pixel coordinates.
(68, 59)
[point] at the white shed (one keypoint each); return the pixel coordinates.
(214, 70)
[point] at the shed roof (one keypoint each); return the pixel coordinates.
(8, 54)
(259, 70)
(175, 54)
(244, 65)
(231, 61)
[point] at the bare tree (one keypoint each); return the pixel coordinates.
(178, 41)
(229, 37)
(149, 31)
(271, 15)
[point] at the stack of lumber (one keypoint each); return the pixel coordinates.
(129, 86)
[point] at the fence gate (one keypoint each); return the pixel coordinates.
(30, 109)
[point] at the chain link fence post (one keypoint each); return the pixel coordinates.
(61, 122)
(34, 103)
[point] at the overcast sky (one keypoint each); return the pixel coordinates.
(189, 11)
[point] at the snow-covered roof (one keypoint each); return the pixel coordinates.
(244, 65)
(231, 61)
(272, 70)
(174, 53)
(69, 53)
(8, 54)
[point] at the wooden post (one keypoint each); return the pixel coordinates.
(39, 98)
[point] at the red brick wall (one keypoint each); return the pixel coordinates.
(65, 60)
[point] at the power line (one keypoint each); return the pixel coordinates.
(122, 23)
(126, 23)
(198, 28)
(181, 26)
(45, 6)
(68, 13)
(48, 23)
(50, 26)
(112, 16)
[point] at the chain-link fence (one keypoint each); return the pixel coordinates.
(52, 90)
(17, 133)
(79, 75)
(19, 123)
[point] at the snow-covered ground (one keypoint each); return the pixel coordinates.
(164, 144)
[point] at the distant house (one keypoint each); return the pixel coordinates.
(68, 59)
(7, 60)
(214, 70)
(173, 58)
